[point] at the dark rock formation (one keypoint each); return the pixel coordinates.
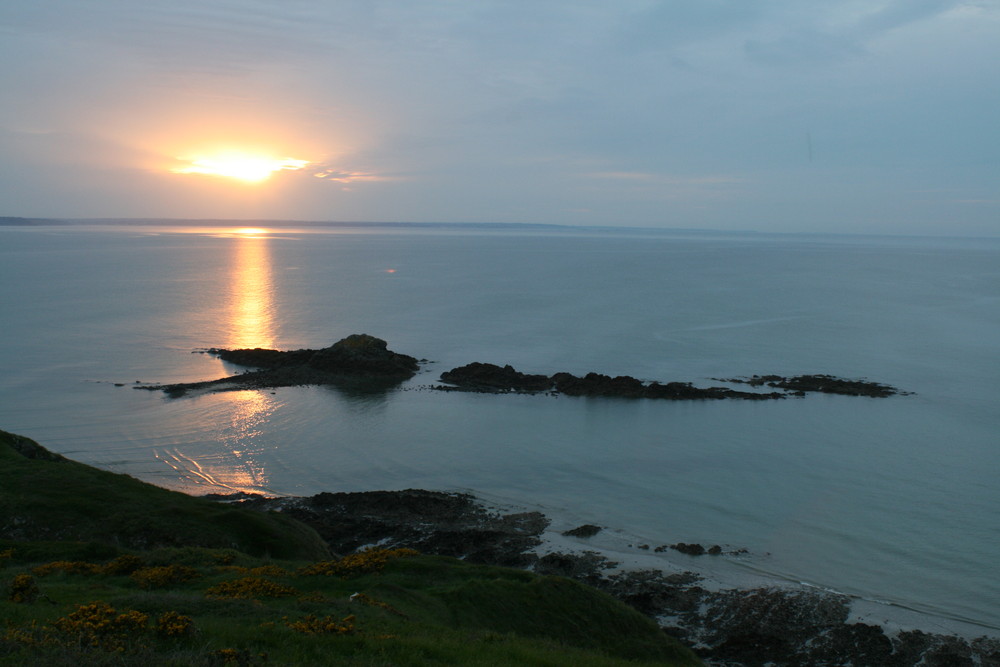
(586, 530)
(359, 361)
(445, 524)
(494, 379)
(363, 363)
(689, 549)
(490, 378)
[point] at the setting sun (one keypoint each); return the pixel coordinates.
(239, 166)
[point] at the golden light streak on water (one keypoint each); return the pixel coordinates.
(237, 423)
(235, 462)
(251, 294)
(242, 471)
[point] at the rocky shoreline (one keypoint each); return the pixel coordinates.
(731, 627)
(363, 362)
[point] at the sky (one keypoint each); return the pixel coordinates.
(855, 116)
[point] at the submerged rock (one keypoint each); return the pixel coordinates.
(825, 384)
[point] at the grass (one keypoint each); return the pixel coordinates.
(50, 498)
(84, 599)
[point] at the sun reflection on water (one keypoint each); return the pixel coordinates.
(234, 462)
(237, 419)
(251, 294)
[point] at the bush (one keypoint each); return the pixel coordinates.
(364, 562)
(312, 625)
(23, 589)
(249, 587)
(163, 576)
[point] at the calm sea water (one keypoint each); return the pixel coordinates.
(892, 500)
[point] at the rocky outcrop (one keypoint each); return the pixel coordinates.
(359, 360)
(586, 530)
(494, 379)
(446, 524)
(490, 378)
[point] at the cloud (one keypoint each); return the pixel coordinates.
(835, 32)
(341, 176)
(440, 109)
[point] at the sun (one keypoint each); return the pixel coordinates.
(245, 167)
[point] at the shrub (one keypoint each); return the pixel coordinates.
(67, 566)
(99, 625)
(172, 624)
(262, 571)
(249, 587)
(23, 589)
(312, 625)
(162, 576)
(126, 564)
(362, 562)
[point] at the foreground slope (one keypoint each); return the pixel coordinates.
(101, 569)
(44, 496)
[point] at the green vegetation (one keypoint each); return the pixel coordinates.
(44, 496)
(80, 597)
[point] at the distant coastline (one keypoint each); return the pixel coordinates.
(13, 221)
(553, 228)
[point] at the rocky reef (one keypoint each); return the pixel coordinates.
(364, 363)
(360, 360)
(490, 378)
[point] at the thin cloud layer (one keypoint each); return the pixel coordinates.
(778, 115)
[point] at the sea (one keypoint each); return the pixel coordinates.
(892, 501)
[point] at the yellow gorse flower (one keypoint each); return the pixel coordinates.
(313, 625)
(362, 562)
(250, 588)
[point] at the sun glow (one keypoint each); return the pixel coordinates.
(244, 167)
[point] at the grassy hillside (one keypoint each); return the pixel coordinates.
(44, 496)
(91, 573)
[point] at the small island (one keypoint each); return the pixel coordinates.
(359, 360)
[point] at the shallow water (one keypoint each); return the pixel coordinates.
(889, 499)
